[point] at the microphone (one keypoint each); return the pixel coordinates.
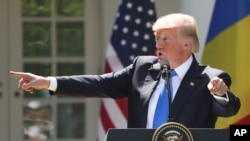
(166, 74)
(165, 68)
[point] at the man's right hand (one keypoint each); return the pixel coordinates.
(29, 81)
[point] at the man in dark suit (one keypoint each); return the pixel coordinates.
(200, 93)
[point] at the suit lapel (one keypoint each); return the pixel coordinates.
(189, 84)
(151, 82)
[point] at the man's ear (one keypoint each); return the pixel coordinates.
(188, 43)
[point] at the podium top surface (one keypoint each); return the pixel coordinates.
(138, 134)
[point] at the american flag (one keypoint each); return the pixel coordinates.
(132, 36)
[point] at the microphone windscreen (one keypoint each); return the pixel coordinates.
(164, 63)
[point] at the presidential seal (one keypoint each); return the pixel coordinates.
(172, 131)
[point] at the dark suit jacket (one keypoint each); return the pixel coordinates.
(193, 105)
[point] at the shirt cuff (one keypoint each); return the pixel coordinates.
(53, 84)
(222, 100)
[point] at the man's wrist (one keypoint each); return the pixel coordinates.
(222, 99)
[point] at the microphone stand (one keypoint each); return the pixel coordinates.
(167, 82)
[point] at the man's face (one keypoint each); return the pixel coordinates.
(168, 44)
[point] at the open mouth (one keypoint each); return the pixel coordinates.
(159, 54)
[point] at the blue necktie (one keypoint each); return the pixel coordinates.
(162, 107)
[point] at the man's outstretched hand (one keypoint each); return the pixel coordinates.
(29, 81)
(217, 86)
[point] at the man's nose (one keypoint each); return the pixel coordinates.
(158, 45)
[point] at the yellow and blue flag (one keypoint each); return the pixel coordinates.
(228, 47)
